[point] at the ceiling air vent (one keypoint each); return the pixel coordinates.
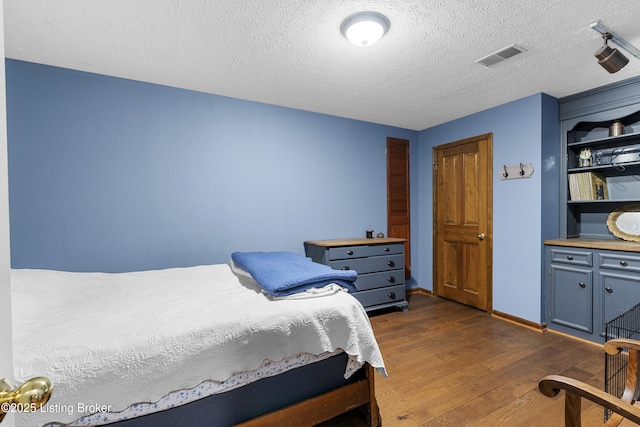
(500, 55)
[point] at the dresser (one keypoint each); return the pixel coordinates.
(378, 261)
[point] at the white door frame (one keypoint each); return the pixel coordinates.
(6, 351)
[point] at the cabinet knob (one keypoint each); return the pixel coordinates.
(609, 290)
(481, 236)
(349, 252)
(387, 249)
(391, 279)
(569, 257)
(582, 285)
(346, 267)
(623, 263)
(392, 295)
(391, 263)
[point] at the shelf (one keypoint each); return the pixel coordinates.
(617, 167)
(605, 142)
(576, 202)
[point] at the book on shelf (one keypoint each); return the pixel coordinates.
(588, 186)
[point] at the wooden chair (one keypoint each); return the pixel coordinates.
(622, 408)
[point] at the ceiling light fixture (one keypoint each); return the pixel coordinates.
(611, 59)
(365, 28)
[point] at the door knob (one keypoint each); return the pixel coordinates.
(481, 236)
(29, 397)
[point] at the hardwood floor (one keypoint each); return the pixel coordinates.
(452, 365)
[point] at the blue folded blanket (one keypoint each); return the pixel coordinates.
(286, 273)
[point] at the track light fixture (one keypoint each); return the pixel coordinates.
(611, 59)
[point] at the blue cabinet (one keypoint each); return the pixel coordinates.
(587, 287)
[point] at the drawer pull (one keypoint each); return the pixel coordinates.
(349, 252)
(609, 290)
(346, 267)
(569, 257)
(387, 249)
(582, 285)
(392, 295)
(391, 279)
(623, 263)
(391, 263)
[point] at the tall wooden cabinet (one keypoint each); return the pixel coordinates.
(592, 275)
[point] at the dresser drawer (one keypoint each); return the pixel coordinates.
(370, 265)
(396, 248)
(572, 256)
(620, 261)
(379, 280)
(381, 296)
(348, 252)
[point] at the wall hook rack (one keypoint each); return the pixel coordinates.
(520, 170)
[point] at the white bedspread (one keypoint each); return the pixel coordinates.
(118, 339)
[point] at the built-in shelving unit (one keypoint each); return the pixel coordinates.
(614, 157)
(592, 276)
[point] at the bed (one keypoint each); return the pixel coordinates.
(203, 345)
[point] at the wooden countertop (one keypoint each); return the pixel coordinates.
(355, 241)
(612, 245)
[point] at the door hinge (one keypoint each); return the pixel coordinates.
(435, 166)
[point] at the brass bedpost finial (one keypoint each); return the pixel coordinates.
(30, 396)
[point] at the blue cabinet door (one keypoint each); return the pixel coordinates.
(620, 292)
(571, 297)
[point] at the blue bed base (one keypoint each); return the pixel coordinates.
(256, 399)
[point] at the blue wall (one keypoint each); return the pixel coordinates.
(523, 131)
(107, 174)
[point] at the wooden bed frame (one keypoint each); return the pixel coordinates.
(357, 395)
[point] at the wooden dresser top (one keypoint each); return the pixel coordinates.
(355, 241)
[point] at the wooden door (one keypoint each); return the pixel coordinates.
(398, 216)
(462, 214)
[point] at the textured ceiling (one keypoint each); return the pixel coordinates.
(291, 52)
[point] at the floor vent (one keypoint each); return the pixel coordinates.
(500, 55)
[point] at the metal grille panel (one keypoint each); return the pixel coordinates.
(627, 325)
